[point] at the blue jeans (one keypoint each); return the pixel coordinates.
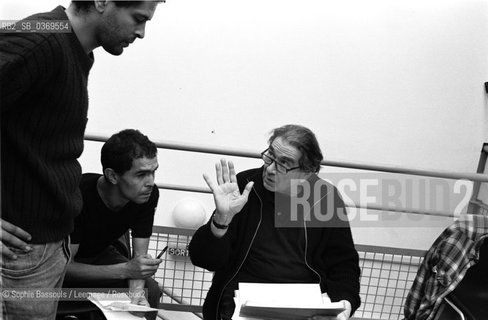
(41, 268)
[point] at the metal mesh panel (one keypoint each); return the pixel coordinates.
(182, 283)
(387, 275)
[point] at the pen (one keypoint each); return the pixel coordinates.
(162, 252)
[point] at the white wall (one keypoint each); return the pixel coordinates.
(395, 82)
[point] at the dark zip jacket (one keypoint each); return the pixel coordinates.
(330, 250)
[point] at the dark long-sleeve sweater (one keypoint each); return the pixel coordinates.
(44, 104)
(331, 252)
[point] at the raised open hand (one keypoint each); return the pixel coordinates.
(228, 199)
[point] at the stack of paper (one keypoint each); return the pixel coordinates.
(117, 306)
(282, 301)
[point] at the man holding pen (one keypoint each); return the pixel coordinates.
(123, 198)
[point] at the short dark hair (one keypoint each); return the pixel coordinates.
(305, 141)
(85, 5)
(123, 147)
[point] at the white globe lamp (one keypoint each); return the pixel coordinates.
(189, 214)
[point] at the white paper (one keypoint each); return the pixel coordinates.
(126, 306)
(281, 295)
(117, 306)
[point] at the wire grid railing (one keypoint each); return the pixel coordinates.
(387, 275)
(184, 285)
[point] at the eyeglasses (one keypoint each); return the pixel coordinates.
(279, 167)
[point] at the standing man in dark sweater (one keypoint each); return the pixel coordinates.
(44, 103)
(257, 234)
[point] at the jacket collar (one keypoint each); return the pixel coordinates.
(257, 178)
